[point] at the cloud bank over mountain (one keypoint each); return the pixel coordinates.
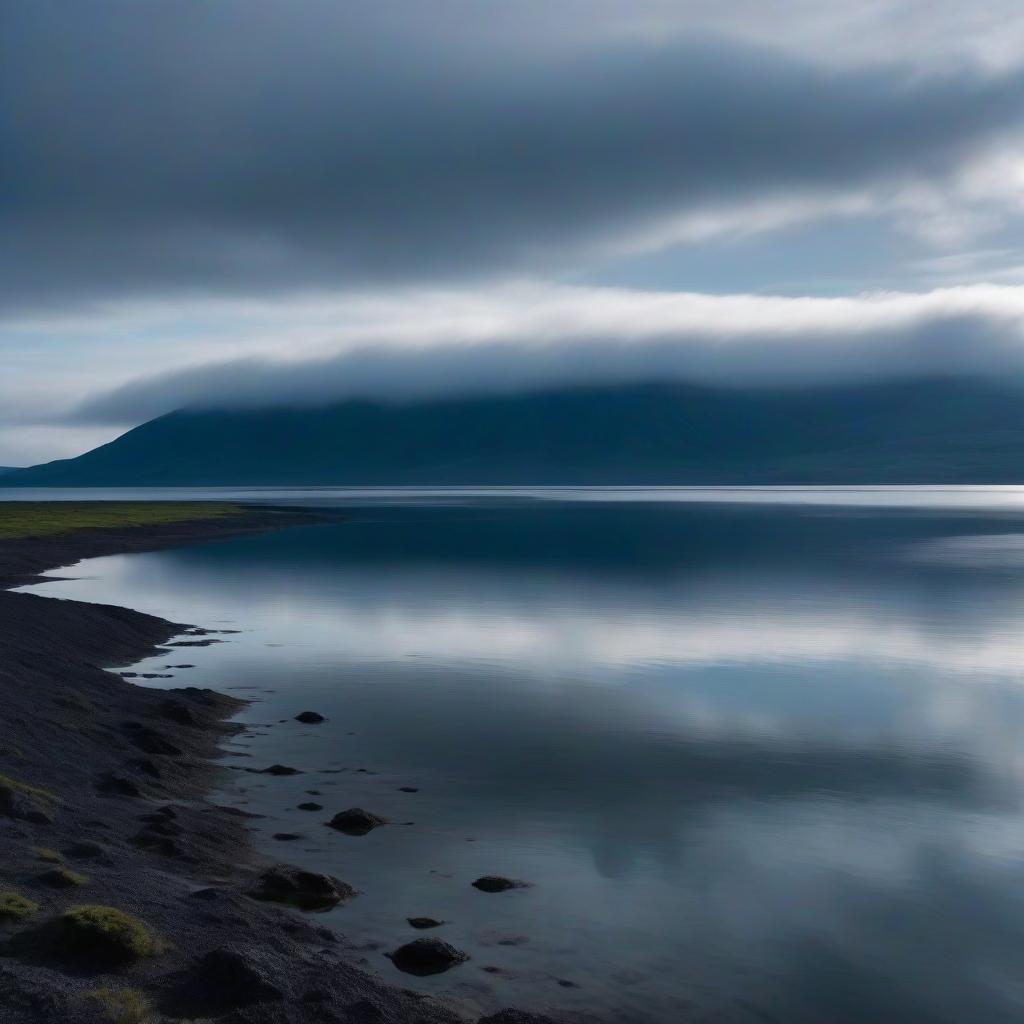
(532, 340)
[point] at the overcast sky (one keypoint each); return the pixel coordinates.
(226, 201)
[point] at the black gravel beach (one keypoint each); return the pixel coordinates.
(103, 805)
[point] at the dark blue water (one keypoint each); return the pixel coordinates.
(760, 763)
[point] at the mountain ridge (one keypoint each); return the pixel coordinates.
(924, 430)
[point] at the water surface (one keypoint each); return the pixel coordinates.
(760, 760)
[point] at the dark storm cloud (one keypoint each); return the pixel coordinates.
(251, 144)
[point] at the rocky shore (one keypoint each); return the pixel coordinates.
(126, 896)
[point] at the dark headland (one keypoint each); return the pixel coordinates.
(104, 804)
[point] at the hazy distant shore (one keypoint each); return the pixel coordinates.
(107, 782)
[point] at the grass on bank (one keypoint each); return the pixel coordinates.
(15, 907)
(22, 519)
(103, 935)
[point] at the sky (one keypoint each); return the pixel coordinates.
(222, 202)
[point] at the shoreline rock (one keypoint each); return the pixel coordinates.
(306, 890)
(498, 883)
(424, 957)
(355, 822)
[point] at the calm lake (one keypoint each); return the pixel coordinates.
(760, 753)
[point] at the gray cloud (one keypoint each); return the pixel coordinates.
(244, 145)
(595, 336)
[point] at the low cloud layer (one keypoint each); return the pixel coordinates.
(247, 145)
(250, 201)
(565, 336)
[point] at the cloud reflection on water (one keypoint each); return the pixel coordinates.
(760, 762)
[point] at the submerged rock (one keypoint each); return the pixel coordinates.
(287, 837)
(427, 956)
(275, 769)
(309, 805)
(424, 922)
(310, 718)
(496, 883)
(355, 821)
(307, 890)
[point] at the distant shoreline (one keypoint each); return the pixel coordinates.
(116, 779)
(24, 559)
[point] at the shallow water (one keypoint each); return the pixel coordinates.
(760, 761)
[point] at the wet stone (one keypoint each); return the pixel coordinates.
(355, 821)
(497, 883)
(307, 890)
(275, 769)
(424, 957)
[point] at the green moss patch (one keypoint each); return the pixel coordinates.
(46, 855)
(45, 518)
(102, 935)
(15, 907)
